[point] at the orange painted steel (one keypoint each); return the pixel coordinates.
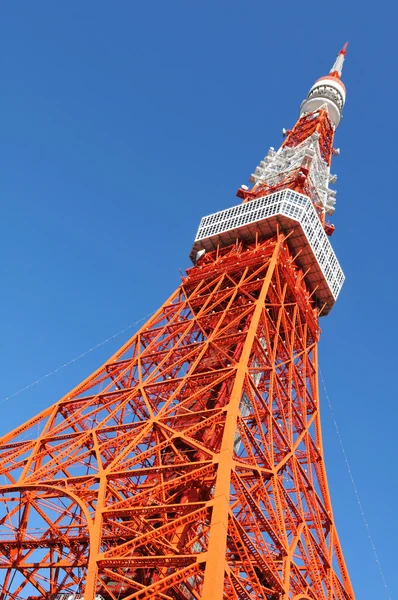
(299, 179)
(190, 465)
(309, 124)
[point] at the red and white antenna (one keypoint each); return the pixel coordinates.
(337, 68)
(303, 161)
(328, 92)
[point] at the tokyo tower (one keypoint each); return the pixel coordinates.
(190, 465)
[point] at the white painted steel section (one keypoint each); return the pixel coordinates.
(334, 83)
(326, 92)
(287, 208)
(339, 62)
(277, 166)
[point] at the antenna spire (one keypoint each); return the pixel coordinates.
(337, 68)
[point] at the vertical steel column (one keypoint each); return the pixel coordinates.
(213, 585)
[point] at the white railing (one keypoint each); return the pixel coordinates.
(262, 212)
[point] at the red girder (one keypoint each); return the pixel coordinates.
(191, 461)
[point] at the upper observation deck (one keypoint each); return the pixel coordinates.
(291, 213)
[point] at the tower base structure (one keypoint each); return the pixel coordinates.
(190, 465)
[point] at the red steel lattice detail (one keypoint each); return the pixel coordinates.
(190, 465)
(309, 124)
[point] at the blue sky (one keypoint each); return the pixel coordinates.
(121, 125)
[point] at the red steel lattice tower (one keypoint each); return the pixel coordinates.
(190, 465)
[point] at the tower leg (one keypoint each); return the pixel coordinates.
(213, 585)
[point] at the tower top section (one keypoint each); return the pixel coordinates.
(291, 194)
(328, 91)
(337, 68)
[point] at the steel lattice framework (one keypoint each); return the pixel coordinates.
(190, 465)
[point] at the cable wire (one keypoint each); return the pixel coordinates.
(355, 489)
(112, 337)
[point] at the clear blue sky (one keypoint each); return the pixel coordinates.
(121, 124)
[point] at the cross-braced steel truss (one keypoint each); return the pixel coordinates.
(190, 465)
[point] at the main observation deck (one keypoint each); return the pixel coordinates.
(290, 212)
